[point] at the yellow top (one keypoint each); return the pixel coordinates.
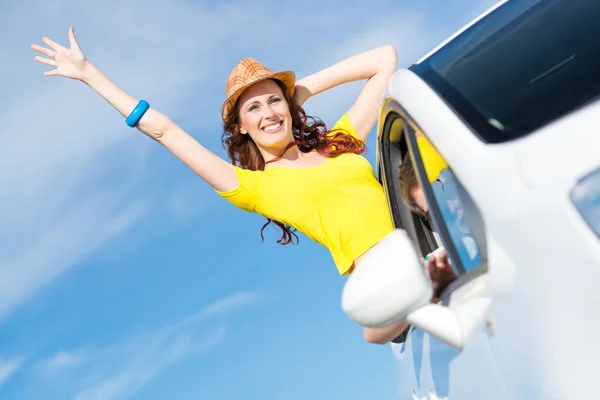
(432, 161)
(339, 204)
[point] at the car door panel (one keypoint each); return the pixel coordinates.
(427, 367)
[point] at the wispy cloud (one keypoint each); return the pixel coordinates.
(226, 305)
(8, 367)
(62, 361)
(408, 37)
(68, 164)
(118, 370)
(140, 359)
(145, 357)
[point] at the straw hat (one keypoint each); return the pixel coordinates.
(247, 72)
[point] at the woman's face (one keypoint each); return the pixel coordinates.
(419, 197)
(264, 114)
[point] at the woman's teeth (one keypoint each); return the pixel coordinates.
(272, 127)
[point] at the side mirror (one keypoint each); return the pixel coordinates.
(390, 283)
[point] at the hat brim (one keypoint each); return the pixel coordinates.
(288, 78)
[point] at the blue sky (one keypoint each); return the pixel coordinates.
(122, 274)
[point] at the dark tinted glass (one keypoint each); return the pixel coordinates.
(526, 64)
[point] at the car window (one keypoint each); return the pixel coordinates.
(526, 64)
(460, 221)
(392, 150)
(452, 211)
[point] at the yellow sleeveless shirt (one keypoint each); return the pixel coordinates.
(339, 204)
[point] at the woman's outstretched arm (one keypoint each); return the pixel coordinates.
(377, 66)
(71, 63)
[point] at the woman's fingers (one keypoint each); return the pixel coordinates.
(43, 50)
(441, 263)
(51, 43)
(72, 40)
(46, 61)
(443, 257)
(51, 73)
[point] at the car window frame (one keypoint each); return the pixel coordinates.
(439, 224)
(417, 227)
(390, 111)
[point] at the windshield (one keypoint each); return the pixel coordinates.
(524, 65)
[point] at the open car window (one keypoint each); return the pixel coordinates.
(459, 225)
(393, 150)
(453, 214)
(453, 220)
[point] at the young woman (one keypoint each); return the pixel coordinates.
(284, 165)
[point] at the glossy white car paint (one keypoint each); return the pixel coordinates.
(374, 293)
(544, 261)
(540, 338)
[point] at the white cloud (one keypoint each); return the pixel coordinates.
(57, 247)
(62, 360)
(68, 162)
(141, 358)
(225, 305)
(118, 370)
(152, 354)
(411, 38)
(8, 367)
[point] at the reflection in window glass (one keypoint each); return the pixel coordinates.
(446, 192)
(523, 66)
(453, 215)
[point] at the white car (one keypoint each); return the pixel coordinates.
(511, 104)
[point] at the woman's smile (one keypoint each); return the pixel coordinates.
(273, 127)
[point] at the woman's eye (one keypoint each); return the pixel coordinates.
(252, 108)
(276, 100)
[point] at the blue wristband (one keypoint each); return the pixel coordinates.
(137, 113)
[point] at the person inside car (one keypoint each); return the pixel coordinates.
(436, 262)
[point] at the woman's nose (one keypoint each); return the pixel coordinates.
(269, 113)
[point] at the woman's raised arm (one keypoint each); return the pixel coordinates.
(71, 63)
(376, 65)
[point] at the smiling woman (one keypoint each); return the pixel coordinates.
(285, 165)
(251, 137)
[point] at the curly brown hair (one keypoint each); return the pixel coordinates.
(309, 134)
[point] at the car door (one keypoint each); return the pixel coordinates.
(427, 367)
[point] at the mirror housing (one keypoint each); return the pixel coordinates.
(389, 284)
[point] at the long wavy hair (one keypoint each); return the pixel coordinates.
(309, 134)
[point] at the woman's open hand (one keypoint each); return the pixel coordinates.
(70, 63)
